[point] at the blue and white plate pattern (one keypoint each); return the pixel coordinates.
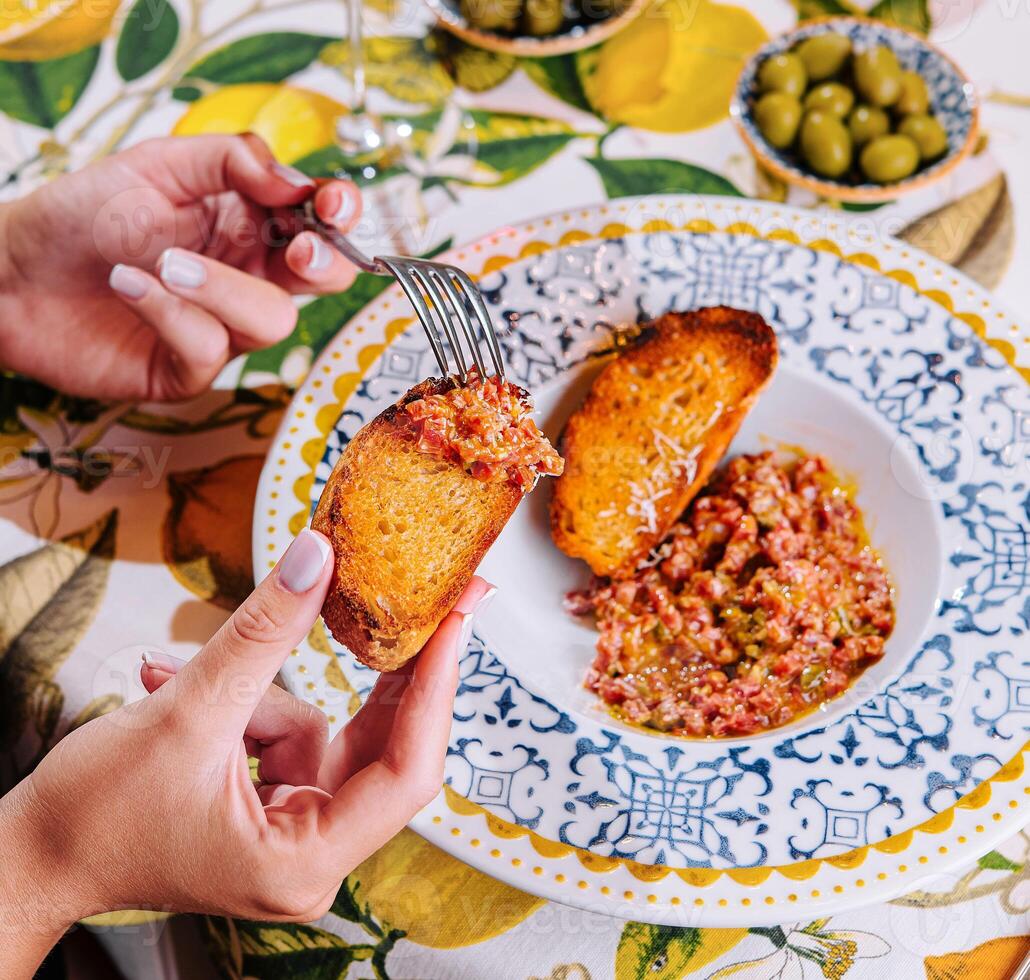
(940, 430)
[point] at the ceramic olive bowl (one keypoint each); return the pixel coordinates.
(952, 100)
(584, 34)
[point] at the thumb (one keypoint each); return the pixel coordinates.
(224, 683)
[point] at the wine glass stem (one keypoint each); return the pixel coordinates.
(357, 58)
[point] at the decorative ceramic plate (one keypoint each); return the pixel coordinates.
(952, 100)
(897, 369)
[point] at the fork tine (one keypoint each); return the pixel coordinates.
(461, 311)
(476, 299)
(414, 294)
(458, 301)
(426, 275)
(439, 284)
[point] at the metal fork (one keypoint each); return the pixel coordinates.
(441, 295)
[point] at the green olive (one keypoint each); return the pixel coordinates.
(914, 98)
(825, 143)
(824, 55)
(542, 17)
(890, 158)
(878, 76)
(866, 122)
(927, 133)
(491, 15)
(783, 73)
(830, 97)
(778, 116)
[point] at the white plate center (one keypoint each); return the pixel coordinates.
(528, 629)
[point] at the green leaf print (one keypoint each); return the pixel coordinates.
(807, 9)
(624, 178)
(258, 58)
(44, 92)
(559, 77)
(147, 38)
(51, 596)
(331, 161)
(511, 144)
(513, 125)
(514, 158)
(859, 206)
(506, 143)
(912, 14)
(995, 861)
(266, 951)
(346, 906)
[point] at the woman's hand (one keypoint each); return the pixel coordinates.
(153, 805)
(140, 276)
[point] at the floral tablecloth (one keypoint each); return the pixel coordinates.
(110, 510)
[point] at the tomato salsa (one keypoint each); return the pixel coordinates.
(487, 427)
(764, 601)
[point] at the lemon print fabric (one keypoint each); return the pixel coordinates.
(206, 533)
(433, 898)
(992, 960)
(650, 952)
(673, 69)
(38, 30)
(292, 121)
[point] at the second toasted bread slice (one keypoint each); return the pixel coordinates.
(655, 423)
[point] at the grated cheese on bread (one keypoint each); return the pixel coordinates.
(654, 424)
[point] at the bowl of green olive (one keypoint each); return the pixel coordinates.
(855, 110)
(534, 28)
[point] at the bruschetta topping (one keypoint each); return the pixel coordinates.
(486, 426)
(764, 601)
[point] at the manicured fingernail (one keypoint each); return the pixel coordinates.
(320, 254)
(292, 175)
(157, 660)
(130, 282)
(345, 211)
(180, 269)
(466, 633)
(484, 600)
(303, 562)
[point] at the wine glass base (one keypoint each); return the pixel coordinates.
(362, 133)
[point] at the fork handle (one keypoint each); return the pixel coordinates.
(312, 222)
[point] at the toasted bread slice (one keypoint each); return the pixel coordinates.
(652, 428)
(408, 530)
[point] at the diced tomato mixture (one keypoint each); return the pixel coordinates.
(486, 426)
(764, 601)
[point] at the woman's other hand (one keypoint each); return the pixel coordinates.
(153, 805)
(140, 276)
